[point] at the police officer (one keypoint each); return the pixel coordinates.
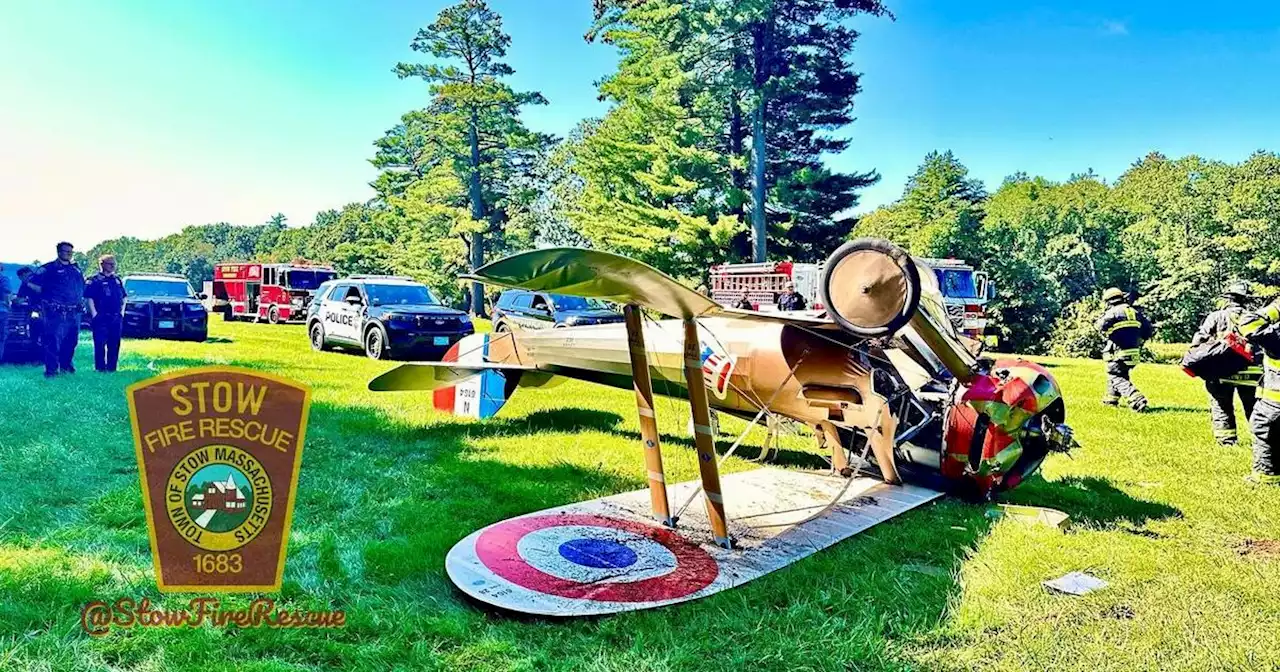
(106, 295)
(790, 298)
(1222, 393)
(1125, 329)
(60, 285)
(25, 292)
(5, 293)
(1265, 420)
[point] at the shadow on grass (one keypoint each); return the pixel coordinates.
(1157, 410)
(1090, 500)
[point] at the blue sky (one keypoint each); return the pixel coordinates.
(137, 117)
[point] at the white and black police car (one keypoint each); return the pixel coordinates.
(386, 316)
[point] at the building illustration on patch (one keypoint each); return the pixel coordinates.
(222, 496)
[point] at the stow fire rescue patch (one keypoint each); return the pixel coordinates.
(218, 454)
(479, 396)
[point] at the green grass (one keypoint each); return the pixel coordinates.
(388, 486)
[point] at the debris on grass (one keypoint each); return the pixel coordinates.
(1031, 515)
(1120, 612)
(1258, 548)
(1076, 583)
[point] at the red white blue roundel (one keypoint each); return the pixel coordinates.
(586, 557)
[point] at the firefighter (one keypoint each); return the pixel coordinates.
(1125, 329)
(1222, 393)
(1265, 420)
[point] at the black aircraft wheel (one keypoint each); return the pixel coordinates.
(871, 287)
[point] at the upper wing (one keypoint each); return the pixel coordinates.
(595, 274)
(613, 277)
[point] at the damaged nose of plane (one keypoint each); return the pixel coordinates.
(871, 287)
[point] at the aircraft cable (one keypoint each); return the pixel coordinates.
(763, 409)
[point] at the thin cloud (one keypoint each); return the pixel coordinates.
(1114, 28)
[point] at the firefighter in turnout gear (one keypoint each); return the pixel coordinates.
(1263, 329)
(1125, 329)
(1223, 392)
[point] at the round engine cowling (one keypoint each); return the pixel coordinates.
(1002, 427)
(871, 287)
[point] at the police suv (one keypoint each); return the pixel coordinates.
(386, 316)
(163, 305)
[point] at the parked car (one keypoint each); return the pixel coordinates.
(160, 305)
(385, 316)
(521, 309)
(23, 325)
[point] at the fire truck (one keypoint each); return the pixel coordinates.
(272, 292)
(762, 283)
(965, 290)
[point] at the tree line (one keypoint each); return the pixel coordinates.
(721, 112)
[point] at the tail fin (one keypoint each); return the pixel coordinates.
(467, 382)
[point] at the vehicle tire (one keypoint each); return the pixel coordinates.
(273, 315)
(316, 335)
(502, 328)
(228, 315)
(871, 287)
(375, 343)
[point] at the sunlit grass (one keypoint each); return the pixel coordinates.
(388, 486)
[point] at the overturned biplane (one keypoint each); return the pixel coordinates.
(886, 384)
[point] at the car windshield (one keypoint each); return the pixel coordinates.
(577, 303)
(400, 295)
(299, 279)
(141, 287)
(957, 284)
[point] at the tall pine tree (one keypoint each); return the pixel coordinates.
(472, 124)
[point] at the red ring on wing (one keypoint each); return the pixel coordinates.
(695, 568)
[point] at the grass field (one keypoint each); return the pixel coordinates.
(388, 486)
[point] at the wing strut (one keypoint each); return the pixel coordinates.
(703, 437)
(648, 423)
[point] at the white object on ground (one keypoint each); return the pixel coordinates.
(1076, 583)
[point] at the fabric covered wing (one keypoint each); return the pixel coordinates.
(612, 277)
(433, 375)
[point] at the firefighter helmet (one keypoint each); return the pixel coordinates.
(1237, 288)
(1113, 295)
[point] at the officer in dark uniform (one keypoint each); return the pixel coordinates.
(106, 295)
(1265, 420)
(1222, 393)
(1125, 329)
(5, 293)
(60, 285)
(25, 292)
(791, 299)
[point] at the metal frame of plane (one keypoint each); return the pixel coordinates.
(874, 292)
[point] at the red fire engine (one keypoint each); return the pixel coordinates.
(762, 283)
(273, 292)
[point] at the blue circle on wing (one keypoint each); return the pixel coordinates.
(598, 553)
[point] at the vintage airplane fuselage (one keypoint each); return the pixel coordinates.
(746, 365)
